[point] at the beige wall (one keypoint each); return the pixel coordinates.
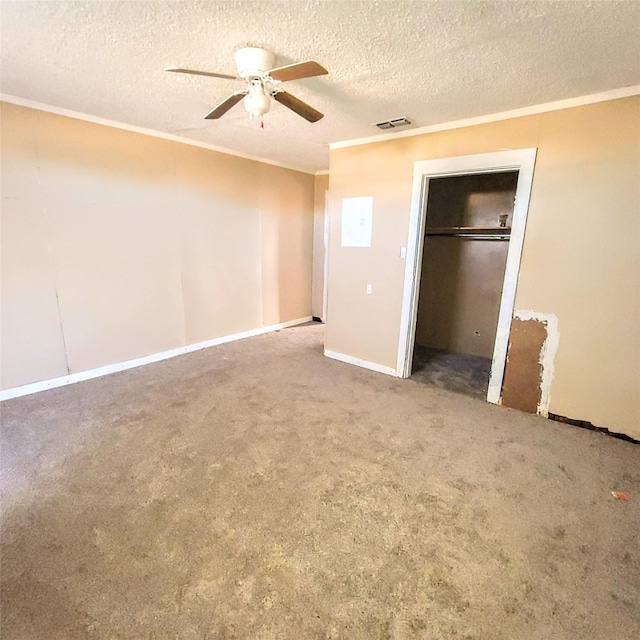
(321, 187)
(117, 245)
(460, 291)
(581, 257)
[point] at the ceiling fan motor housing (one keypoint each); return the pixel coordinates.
(253, 62)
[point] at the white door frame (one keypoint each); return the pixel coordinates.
(521, 160)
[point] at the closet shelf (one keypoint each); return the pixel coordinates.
(480, 233)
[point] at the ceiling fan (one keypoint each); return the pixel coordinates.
(255, 67)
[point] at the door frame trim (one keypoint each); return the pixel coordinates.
(521, 160)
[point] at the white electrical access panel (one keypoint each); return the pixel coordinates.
(357, 221)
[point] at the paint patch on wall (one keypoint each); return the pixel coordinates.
(533, 342)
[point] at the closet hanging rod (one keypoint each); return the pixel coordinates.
(488, 230)
(471, 236)
(475, 233)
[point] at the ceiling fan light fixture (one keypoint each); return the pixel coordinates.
(257, 102)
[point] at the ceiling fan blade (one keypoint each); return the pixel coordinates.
(225, 105)
(301, 108)
(297, 71)
(193, 72)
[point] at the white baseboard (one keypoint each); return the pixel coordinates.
(365, 364)
(72, 378)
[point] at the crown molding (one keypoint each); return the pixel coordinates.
(77, 115)
(569, 103)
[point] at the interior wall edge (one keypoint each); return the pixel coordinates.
(81, 376)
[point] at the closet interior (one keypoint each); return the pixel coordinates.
(467, 232)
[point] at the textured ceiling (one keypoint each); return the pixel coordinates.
(432, 61)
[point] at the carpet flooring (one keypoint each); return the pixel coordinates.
(259, 490)
(457, 372)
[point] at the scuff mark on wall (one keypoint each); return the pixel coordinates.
(547, 354)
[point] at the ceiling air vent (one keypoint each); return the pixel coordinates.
(392, 124)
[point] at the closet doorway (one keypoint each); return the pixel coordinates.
(519, 164)
(467, 233)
